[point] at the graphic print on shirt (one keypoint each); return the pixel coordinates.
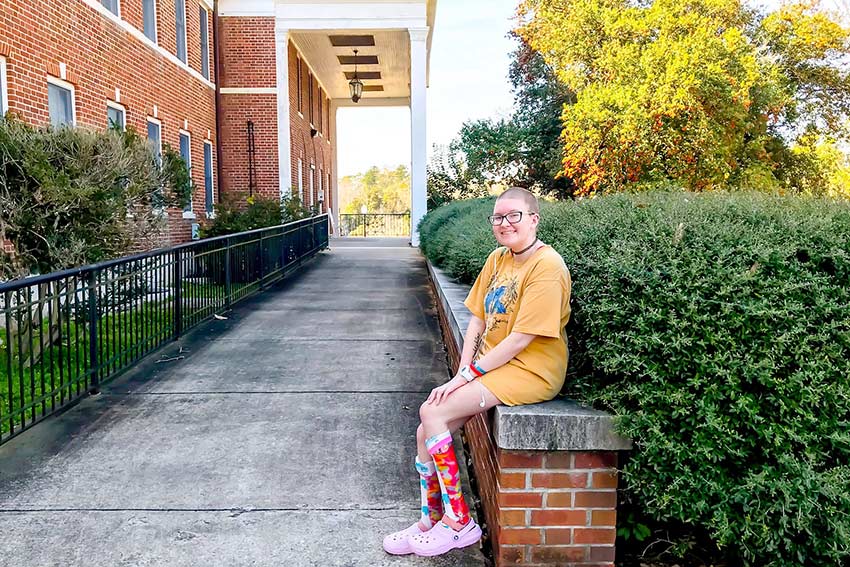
(502, 293)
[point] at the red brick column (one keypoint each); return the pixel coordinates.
(542, 508)
(557, 507)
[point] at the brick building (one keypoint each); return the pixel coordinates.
(247, 90)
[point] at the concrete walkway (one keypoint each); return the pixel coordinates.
(285, 437)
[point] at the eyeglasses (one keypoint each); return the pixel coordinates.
(512, 217)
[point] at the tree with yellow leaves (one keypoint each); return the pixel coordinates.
(709, 93)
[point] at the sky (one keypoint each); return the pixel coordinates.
(470, 55)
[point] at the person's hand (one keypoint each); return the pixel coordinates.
(441, 393)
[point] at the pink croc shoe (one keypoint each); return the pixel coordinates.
(442, 538)
(398, 543)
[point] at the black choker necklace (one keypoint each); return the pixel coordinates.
(526, 249)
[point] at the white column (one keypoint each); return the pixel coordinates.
(284, 142)
(418, 140)
(334, 189)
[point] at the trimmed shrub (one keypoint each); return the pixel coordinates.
(233, 215)
(716, 327)
(71, 196)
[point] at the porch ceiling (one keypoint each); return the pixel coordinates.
(391, 47)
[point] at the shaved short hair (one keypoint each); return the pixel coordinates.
(523, 194)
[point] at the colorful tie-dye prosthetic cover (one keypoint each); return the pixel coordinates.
(448, 473)
(429, 490)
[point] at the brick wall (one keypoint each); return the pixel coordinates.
(100, 56)
(542, 508)
(247, 47)
(311, 150)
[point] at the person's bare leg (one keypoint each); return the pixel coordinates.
(461, 404)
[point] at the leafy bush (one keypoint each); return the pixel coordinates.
(71, 196)
(234, 215)
(716, 327)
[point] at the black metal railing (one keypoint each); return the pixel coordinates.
(374, 224)
(65, 333)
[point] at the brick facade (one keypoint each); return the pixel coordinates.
(542, 508)
(104, 60)
(247, 51)
(42, 38)
(314, 151)
(247, 48)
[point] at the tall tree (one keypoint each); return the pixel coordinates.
(707, 92)
(524, 148)
(380, 190)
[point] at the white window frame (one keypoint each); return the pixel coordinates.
(299, 88)
(150, 119)
(301, 180)
(117, 106)
(185, 32)
(205, 53)
(67, 86)
(155, 37)
(210, 214)
(190, 212)
(118, 4)
(312, 182)
(4, 88)
(158, 122)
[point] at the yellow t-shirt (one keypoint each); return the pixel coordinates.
(532, 298)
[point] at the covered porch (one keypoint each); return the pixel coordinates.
(392, 40)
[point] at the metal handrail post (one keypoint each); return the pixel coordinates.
(94, 387)
(178, 294)
(262, 261)
(228, 288)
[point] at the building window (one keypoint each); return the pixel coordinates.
(60, 101)
(321, 114)
(321, 194)
(4, 97)
(312, 183)
(328, 121)
(208, 178)
(299, 89)
(180, 26)
(115, 117)
(155, 139)
(112, 6)
(205, 43)
(149, 16)
(301, 181)
(310, 95)
(186, 154)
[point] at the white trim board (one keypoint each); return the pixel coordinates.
(248, 90)
(4, 86)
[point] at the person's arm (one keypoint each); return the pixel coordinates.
(508, 348)
(474, 331)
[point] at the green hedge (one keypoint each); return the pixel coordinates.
(717, 328)
(234, 214)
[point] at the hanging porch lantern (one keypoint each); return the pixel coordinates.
(355, 85)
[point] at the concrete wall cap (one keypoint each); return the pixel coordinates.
(556, 425)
